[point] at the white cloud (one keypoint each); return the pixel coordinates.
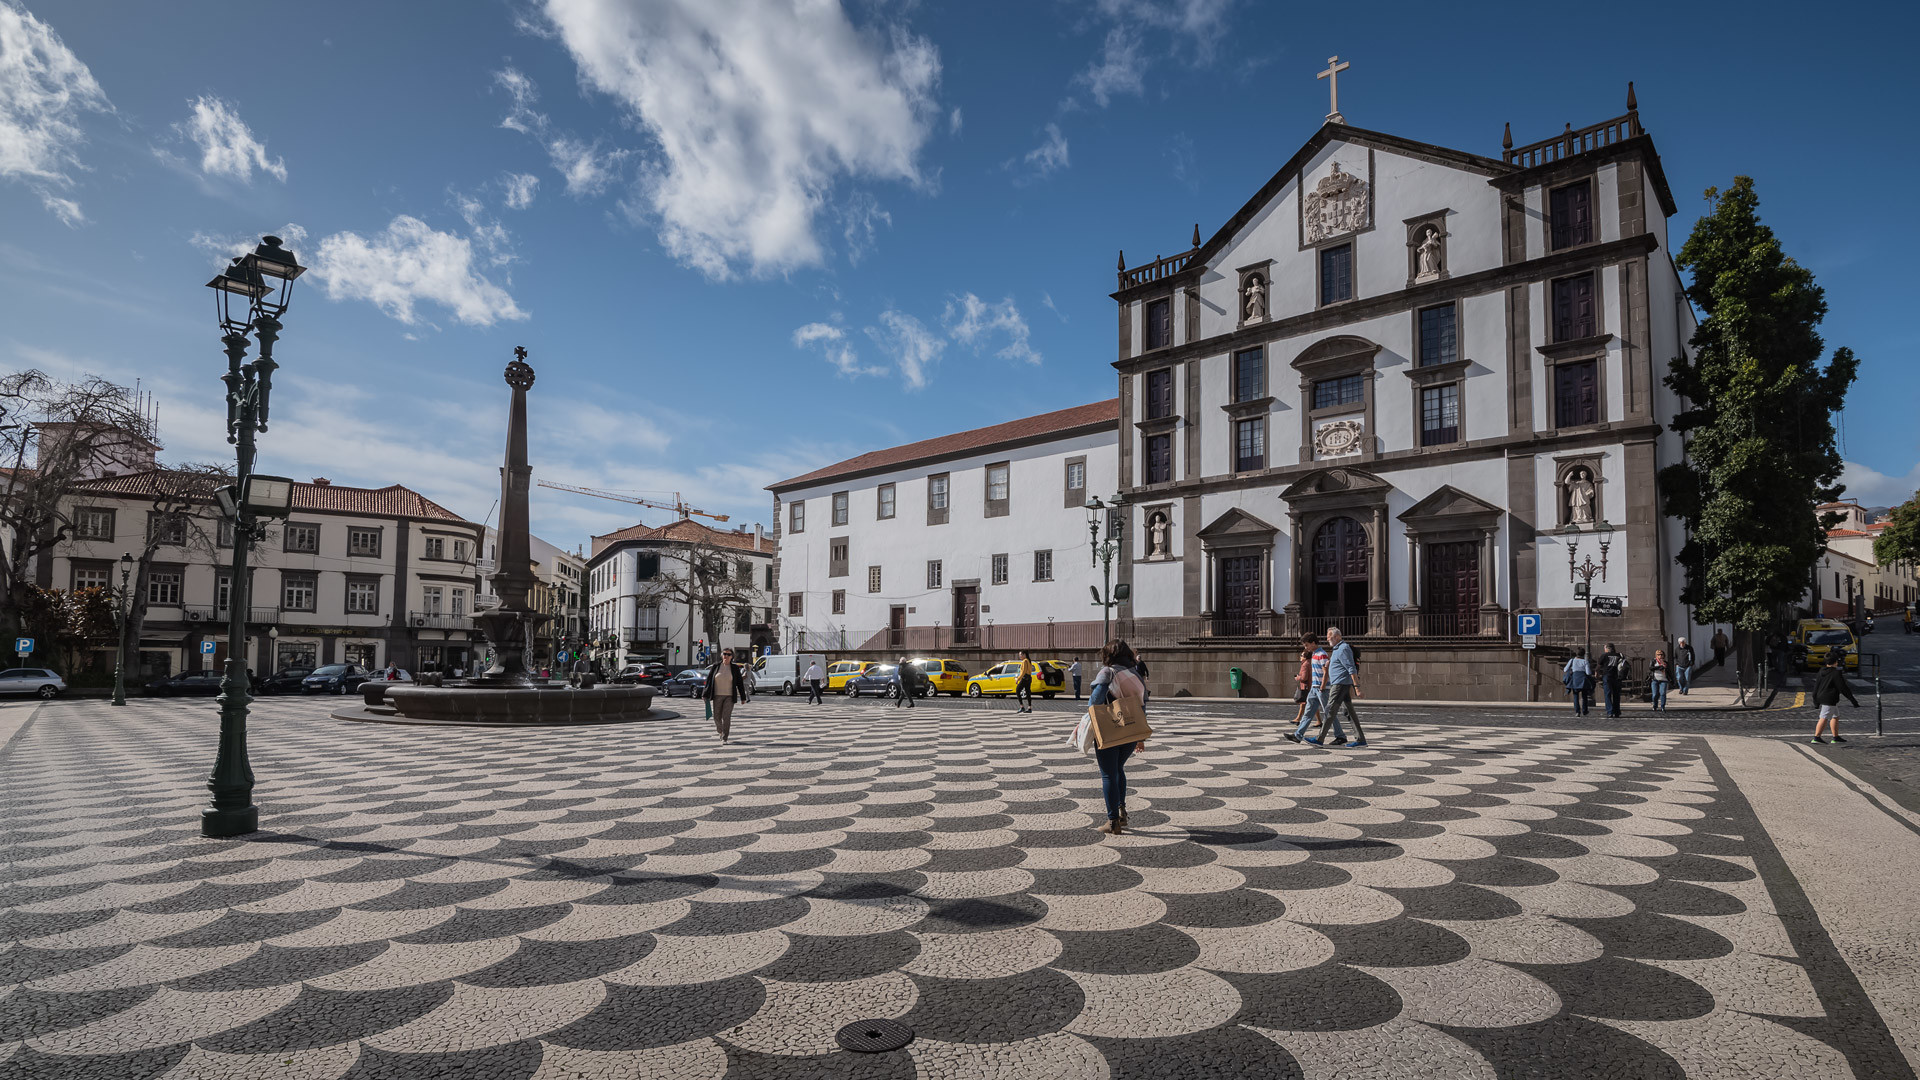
(486, 231)
(409, 262)
(1046, 301)
(44, 90)
(862, 217)
(832, 343)
(953, 121)
(521, 118)
(1118, 70)
(1201, 23)
(1870, 487)
(222, 248)
(227, 145)
(588, 169)
(912, 347)
(519, 188)
(754, 118)
(973, 322)
(1050, 156)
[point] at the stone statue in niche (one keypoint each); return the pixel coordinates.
(1430, 256)
(1337, 204)
(1159, 536)
(1582, 495)
(1254, 307)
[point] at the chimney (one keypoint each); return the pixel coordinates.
(759, 534)
(321, 481)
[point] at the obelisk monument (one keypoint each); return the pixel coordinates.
(508, 625)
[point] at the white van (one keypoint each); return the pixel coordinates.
(784, 674)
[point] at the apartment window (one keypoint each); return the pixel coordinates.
(363, 541)
(743, 621)
(937, 486)
(883, 507)
(839, 601)
(1250, 444)
(1336, 274)
(297, 592)
(934, 573)
(646, 566)
(1345, 390)
(163, 588)
(873, 579)
(769, 584)
(1043, 566)
(1160, 323)
(457, 604)
(223, 533)
(743, 572)
(797, 516)
(1159, 394)
(433, 599)
(1249, 374)
(839, 508)
(223, 591)
(91, 523)
(170, 529)
(1440, 414)
(1076, 487)
(302, 538)
(1571, 211)
(91, 579)
(837, 557)
(459, 551)
(1573, 308)
(999, 569)
(436, 548)
(999, 485)
(1438, 339)
(363, 597)
(796, 603)
(1576, 393)
(1159, 459)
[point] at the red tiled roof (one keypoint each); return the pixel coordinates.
(687, 531)
(390, 501)
(1844, 533)
(1098, 414)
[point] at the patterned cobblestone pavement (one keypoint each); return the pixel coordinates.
(639, 901)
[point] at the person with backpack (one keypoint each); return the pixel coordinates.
(1023, 687)
(1613, 669)
(1577, 677)
(1343, 685)
(1827, 692)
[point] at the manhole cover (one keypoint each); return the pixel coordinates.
(874, 1036)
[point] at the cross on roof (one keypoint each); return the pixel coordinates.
(1332, 75)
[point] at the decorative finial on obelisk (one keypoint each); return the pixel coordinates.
(519, 372)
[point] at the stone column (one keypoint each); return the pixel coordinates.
(1489, 596)
(1296, 583)
(1377, 575)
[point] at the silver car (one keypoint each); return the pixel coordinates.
(31, 680)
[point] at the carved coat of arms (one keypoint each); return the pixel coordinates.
(1337, 204)
(1337, 438)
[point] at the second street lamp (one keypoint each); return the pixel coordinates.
(122, 600)
(1104, 516)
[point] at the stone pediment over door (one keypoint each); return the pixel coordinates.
(1237, 528)
(1350, 487)
(1450, 510)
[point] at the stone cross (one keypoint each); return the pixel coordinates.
(1332, 75)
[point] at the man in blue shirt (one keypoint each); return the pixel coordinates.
(1343, 684)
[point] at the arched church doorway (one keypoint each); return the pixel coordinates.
(1341, 559)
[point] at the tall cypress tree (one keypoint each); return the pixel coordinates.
(1759, 422)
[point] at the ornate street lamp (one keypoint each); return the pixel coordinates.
(251, 293)
(1102, 517)
(1587, 570)
(121, 602)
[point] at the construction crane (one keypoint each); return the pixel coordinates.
(678, 506)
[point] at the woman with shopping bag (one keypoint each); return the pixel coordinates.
(1118, 719)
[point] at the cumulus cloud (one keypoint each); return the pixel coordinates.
(1870, 487)
(44, 92)
(227, 145)
(1200, 24)
(1047, 158)
(519, 189)
(409, 262)
(909, 344)
(1117, 70)
(754, 120)
(831, 342)
(976, 323)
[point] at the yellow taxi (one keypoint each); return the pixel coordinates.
(840, 671)
(1814, 638)
(945, 676)
(1002, 678)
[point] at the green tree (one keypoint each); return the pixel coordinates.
(1900, 540)
(1758, 422)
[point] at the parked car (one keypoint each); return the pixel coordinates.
(689, 683)
(647, 674)
(784, 673)
(284, 681)
(943, 676)
(1002, 678)
(876, 679)
(840, 671)
(335, 679)
(203, 683)
(31, 680)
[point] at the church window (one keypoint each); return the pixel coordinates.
(1439, 342)
(1249, 374)
(1159, 394)
(1571, 210)
(1574, 314)
(1336, 274)
(1440, 414)
(1160, 323)
(1576, 393)
(1159, 459)
(1250, 444)
(1345, 390)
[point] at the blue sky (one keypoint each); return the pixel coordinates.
(741, 241)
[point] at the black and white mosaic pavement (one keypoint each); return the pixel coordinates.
(639, 901)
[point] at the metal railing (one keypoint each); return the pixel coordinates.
(1436, 624)
(435, 620)
(196, 613)
(1575, 141)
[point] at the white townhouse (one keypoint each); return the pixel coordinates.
(355, 575)
(630, 603)
(563, 575)
(973, 541)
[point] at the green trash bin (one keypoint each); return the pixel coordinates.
(1234, 675)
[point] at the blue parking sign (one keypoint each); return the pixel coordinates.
(1529, 623)
(206, 648)
(23, 645)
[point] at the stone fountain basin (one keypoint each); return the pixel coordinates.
(538, 705)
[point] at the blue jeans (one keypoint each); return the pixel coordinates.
(1319, 701)
(1659, 693)
(1580, 700)
(1612, 689)
(1113, 776)
(1683, 678)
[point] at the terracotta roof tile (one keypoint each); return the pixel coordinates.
(686, 530)
(390, 501)
(1098, 414)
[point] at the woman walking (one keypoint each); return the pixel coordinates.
(1304, 679)
(726, 684)
(1023, 688)
(1116, 681)
(1578, 678)
(1826, 694)
(1657, 678)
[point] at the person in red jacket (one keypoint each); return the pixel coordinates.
(1304, 680)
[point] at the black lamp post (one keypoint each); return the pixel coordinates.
(252, 293)
(1103, 550)
(121, 602)
(1586, 571)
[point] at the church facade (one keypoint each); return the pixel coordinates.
(1408, 391)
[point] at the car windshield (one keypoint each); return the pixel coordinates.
(1830, 637)
(331, 669)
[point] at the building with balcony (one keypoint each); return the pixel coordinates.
(641, 584)
(561, 594)
(1858, 582)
